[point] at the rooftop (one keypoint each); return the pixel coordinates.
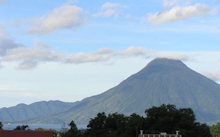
(25, 133)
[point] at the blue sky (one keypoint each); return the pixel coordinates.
(69, 50)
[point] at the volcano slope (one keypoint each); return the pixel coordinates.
(162, 81)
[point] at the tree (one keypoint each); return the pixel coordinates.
(23, 127)
(96, 126)
(167, 118)
(1, 125)
(115, 125)
(215, 130)
(134, 125)
(72, 132)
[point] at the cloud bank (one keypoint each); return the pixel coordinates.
(212, 75)
(30, 57)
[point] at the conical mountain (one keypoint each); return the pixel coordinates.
(162, 81)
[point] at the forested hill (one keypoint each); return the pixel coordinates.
(23, 112)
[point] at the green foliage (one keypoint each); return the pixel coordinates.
(72, 132)
(166, 118)
(55, 133)
(1, 125)
(97, 125)
(215, 130)
(23, 127)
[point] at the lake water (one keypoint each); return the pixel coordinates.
(57, 127)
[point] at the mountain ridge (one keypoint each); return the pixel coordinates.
(162, 81)
(144, 88)
(23, 111)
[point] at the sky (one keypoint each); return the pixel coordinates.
(70, 50)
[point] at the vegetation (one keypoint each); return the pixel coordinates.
(215, 130)
(1, 125)
(23, 127)
(72, 132)
(55, 133)
(165, 118)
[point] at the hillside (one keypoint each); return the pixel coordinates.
(162, 81)
(22, 112)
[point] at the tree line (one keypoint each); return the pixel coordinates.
(165, 118)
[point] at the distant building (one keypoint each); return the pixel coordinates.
(159, 135)
(25, 133)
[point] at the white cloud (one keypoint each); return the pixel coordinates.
(96, 56)
(135, 51)
(64, 17)
(212, 75)
(24, 53)
(41, 44)
(179, 13)
(107, 13)
(110, 10)
(109, 5)
(27, 64)
(6, 45)
(29, 57)
(174, 56)
(169, 3)
(104, 55)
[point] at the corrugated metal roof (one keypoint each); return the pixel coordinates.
(25, 133)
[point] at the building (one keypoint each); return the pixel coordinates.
(159, 135)
(25, 133)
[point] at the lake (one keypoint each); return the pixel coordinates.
(57, 127)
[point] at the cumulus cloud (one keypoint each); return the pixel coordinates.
(109, 5)
(27, 64)
(110, 10)
(6, 45)
(40, 52)
(64, 17)
(102, 55)
(97, 56)
(135, 51)
(29, 57)
(169, 3)
(179, 13)
(25, 53)
(212, 75)
(41, 44)
(174, 56)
